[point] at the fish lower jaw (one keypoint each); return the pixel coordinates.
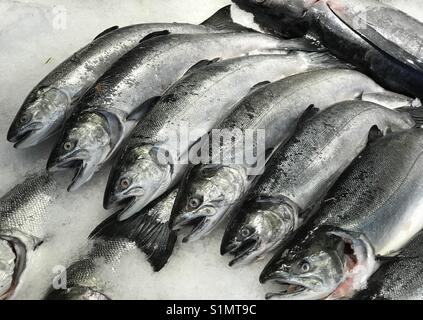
(25, 140)
(244, 253)
(290, 291)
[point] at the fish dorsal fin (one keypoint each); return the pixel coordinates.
(155, 34)
(222, 20)
(260, 85)
(201, 64)
(144, 108)
(107, 31)
(374, 134)
(309, 113)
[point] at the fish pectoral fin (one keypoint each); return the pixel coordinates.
(155, 34)
(108, 30)
(143, 109)
(222, 20)
(201, 64)
(259, 85)
(308, 114)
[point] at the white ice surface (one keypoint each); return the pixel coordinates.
(34, 38)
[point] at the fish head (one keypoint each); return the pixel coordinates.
(135, 179)
(41, 115)
(76, 293)
(84, 146)
(259, 227)
(311, 268)
(206, 194)
(13, 255)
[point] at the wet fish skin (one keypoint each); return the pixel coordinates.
(299, 174)
(51, 102)
(375, 47)
(373, 210)
(346, 44)
(275, 19)
(82, 280)
(386, 27)
(276, 108)
(399, 278)
(196, 103)
(392, 100)
(126, 91)
(147, 231)
(23, 213)
(293, 8)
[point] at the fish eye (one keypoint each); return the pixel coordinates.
(69, 145)
(194, 202)
(24, 119)
(245, 232)
(305, 266)
(124, 183)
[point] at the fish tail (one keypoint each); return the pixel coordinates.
(151, 235)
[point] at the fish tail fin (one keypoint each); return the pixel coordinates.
(415, 112)
(156, 239)
(152, 236)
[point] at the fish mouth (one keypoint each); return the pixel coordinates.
(202, 224)
(78, 162)
(131, 205)
(293, 288)
(12, 264)
(113, 202)
(26, 137)
(243, 252)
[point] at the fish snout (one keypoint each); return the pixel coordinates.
(278, 274)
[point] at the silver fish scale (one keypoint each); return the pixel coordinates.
(401, 278)
(380, 193)
(84, 272)
(24, 207)
(295, 166)
(289, 98)
(177, 105)
(83, 68)
(125, 87)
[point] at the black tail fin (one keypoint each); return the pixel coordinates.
(149, 229)
(222, 20)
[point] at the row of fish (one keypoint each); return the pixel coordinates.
(340, 188)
